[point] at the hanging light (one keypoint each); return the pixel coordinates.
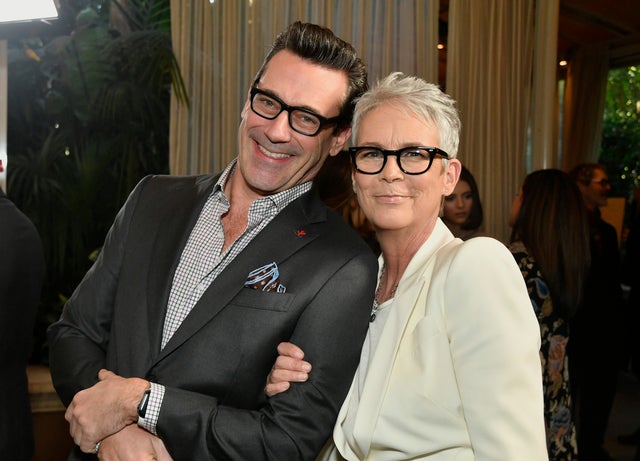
(28, 10)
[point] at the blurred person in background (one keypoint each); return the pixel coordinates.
(631, 278)
(462, 210)
(550, 243)
(596, 332)
(22, 270)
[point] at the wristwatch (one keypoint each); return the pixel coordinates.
(142, 406)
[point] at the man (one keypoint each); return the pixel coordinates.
(594, 348)
(22, 269)
(201, 277)
(631, 277)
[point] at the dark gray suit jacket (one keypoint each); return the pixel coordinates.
(22, 271)
(215, 366)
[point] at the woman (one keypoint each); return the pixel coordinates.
(462, 210)
(550, 242)
(450, 367)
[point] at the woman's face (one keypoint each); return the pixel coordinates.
(391, 199)
(457, 206)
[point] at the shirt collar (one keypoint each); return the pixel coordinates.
(280, 200)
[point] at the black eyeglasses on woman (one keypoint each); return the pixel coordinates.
(411, 160)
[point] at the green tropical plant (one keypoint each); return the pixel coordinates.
(620, 147)
(89, 117)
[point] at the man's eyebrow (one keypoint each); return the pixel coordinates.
(307, 108)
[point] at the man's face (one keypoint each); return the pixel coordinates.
(595, 193)
(272, 156)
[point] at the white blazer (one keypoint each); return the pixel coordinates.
(456, 374)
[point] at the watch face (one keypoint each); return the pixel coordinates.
(142, 407)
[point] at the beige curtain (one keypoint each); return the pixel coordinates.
(220, 46)
(489, 66)
(543, 143)
(584, 105)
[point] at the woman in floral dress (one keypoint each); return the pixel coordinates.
(550, 242)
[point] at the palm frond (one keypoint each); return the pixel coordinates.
(146, 14)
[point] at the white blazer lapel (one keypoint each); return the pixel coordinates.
(381, 362)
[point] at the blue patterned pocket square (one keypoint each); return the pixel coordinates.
(265, 278)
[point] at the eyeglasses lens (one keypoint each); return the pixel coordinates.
(301, 121)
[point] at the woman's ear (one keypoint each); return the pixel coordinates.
(451, 175)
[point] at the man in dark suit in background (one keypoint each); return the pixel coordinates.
(596, 330)
(200, 278)
(22, 271)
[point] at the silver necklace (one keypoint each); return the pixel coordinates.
(374, 310)
(376, 303)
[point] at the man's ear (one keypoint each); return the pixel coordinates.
(339, 140)
(451, 175)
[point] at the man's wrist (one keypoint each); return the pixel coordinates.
(142, 406)
(141, 393)
(156, 396)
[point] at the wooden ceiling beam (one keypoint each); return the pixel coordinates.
(625, 52)
(592, 19)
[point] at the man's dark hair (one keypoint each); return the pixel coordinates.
(585, 172)
(321, 46)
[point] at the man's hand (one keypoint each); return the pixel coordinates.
(104, 409)
(289, 367)
(133, 444)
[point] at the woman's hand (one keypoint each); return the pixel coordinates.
(289, 367)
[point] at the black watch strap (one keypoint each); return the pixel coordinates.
(142, 406)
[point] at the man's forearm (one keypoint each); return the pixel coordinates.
(135, 444)
(74, 365)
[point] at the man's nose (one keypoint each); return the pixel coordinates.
(278, 129)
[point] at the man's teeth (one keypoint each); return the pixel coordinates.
(273, 154)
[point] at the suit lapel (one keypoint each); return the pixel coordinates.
(286, 234)
(169, 245)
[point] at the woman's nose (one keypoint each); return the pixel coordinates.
(391, 170)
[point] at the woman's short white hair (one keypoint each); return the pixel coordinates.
(424, 100)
